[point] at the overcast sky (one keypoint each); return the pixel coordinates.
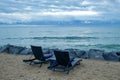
(12, 11)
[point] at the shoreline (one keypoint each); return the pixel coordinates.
(105, 47)
(90, 54)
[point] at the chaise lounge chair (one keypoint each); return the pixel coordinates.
(39, 57)
(64, 61)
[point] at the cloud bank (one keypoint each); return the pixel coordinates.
(12, 11)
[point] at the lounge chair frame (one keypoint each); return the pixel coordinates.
(64, 61)
(38, 55)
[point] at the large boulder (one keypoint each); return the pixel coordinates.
(26, 51)
(4, 48)
(96, 54)
(52, 50)
(72, 52)
(111, 56)
(118, 53)
(15, 49)
(46, 50)
(82, 54)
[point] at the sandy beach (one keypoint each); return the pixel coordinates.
(12, 68)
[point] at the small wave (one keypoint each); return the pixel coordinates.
(109, 46)
(112, 37)
(64, 37)
(17, 38)
(102, 46)
(71, 37)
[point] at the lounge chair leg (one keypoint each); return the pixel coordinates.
(67, 69)
(40, 64)
(53, 69)
(68, 72)
(30, 63)
(78, 63)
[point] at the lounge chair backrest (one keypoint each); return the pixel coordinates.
(37, 51)
(62, 58)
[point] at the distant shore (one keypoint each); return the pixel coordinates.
(12, 68)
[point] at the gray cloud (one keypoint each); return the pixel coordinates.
(30, 10)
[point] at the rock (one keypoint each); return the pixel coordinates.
(4, 48)
(96, 54)
(26, 51)
(15, 49)
(46, 50)
(72, 52)
(85, 56)
(111, 56)
(118, 53)
(82, 54)
(52, 50)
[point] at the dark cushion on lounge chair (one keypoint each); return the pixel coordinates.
(71, 59)
(47, 56)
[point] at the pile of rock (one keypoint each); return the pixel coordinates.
(90, 54)
(12, 49)
(98, 54)
(95, 54)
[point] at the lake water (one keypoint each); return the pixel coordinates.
(78, 37)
